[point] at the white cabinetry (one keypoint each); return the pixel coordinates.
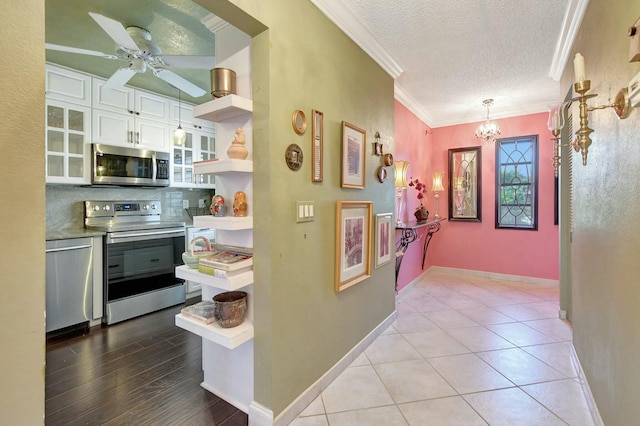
(68, 126)
(129, 117)
(200, 144)
(227, 354)
(67, 146)
(66, 85)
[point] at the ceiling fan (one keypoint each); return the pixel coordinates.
(133, 44)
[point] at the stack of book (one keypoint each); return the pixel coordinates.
(228, 261)
(201, 311)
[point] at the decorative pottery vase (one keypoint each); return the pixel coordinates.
(237, 150)
(421, 213)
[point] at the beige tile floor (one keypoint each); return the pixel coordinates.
(463, 350)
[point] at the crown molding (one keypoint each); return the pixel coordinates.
(214, 23)
(351, 26)
(570, 26)
(412, 105)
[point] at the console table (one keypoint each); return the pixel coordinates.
(410, 234)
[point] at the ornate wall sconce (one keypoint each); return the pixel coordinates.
(621, 105)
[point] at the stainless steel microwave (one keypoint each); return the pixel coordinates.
(114, 165)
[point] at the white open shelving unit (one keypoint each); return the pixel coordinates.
(227, 353)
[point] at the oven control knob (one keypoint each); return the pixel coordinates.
(96, 208)
(107, 207)
(153, 206)
(145, 207)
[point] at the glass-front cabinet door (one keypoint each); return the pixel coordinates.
(182, 175)
(67, 147)
(207, 152)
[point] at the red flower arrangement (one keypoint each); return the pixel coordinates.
(420, 187)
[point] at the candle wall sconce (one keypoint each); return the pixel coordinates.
(621, 105)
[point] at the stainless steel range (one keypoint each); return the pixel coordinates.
(141, 252)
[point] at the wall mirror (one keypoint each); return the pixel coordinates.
(299, 121)
(465, 184)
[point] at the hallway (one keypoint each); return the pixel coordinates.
(464, 350)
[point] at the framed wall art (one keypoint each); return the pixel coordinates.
(317, 140)
(353, 161)
(383, 230)
(353, 242)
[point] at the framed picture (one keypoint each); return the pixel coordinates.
(383, 238)
(316, 152)
(353, 162)
(353, 242)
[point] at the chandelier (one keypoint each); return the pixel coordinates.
(489, 129)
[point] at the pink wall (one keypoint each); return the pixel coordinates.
(472, 245)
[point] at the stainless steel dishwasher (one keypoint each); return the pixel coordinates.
(69, 284)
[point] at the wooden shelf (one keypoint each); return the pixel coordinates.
(219, 167)
(225, 223)
(223, 108)
(234, 282)
(230, 338)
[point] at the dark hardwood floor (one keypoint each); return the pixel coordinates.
(144, 371)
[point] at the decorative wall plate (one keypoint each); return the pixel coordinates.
(388, 160)
(381, 173)
(293, 156)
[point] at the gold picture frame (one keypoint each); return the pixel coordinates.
(317, 119)
(384, 229)
(353, 243)
(353, 164)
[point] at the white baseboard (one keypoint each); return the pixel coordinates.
(259, 415)
(262, 416)
(494, 275)
(586, 390)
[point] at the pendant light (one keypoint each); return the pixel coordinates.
(179, 136)
(489, 130)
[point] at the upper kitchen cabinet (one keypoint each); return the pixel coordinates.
(200, 144)
(129, 117)
(67, 143)
(65, 85)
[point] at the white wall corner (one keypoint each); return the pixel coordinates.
(259, 415)
(340, 15)
(570, 25)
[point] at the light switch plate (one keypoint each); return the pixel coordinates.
(305, 211)
(185, 204)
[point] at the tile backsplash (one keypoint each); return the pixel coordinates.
(65, 204)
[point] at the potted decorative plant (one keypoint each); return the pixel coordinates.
(421, 212)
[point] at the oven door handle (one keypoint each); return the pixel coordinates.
(121, 235)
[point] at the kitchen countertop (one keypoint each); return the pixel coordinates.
(68, 233)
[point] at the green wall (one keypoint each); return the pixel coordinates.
(606, 234)
(22, 213)
(300, 60)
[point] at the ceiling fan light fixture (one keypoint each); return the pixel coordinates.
(489, 130)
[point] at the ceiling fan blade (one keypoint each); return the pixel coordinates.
(68, 49)
(120, 78)
(116, 31)
(190, 61)
(179, 83)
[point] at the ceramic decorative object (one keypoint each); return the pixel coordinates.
(237, 150)
(217, 207)
(230, 308)
(240, 204)
(421, 213)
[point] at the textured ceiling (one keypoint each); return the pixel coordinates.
(453, 54)
(448, 55)
(174, 25)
